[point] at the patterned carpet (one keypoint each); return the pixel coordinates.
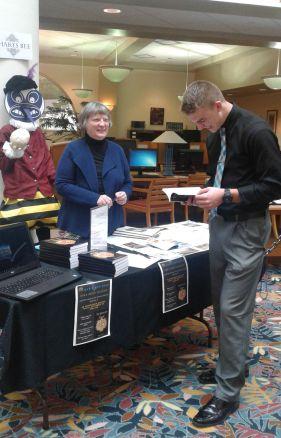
(151, 391)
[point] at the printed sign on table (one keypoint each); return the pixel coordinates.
(174, 283)
(92, 311)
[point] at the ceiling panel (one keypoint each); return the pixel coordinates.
(181, 23)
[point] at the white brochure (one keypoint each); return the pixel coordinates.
(99, 227)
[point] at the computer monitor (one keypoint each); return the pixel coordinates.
(126, 144)
(187, 160)
(143, 159)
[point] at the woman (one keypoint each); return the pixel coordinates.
(92, 171)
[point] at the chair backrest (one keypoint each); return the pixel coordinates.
(194, 180)
(156, 196)
(56, 150)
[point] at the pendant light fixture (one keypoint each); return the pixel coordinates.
(274, 81)
(82, 92)
(186, 79)
(115, 73)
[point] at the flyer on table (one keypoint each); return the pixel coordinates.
(92, 311)
(174, 283)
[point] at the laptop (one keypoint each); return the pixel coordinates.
(21, 274)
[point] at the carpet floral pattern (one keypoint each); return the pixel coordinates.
(152, 391)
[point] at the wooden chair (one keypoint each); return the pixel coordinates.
(56, 150)
(194, 180)
(275, 211)
(155, 201)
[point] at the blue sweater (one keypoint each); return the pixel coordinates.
(77, 182)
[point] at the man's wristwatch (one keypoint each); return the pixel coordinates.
(227, 196)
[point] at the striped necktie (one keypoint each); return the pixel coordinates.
(220, 168)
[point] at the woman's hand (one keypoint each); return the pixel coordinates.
(104, 200)
(121, 198)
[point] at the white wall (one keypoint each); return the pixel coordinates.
(69, 77)
(22, 17)
(261, 103)
(144, 89)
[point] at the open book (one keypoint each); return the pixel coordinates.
(180, 194)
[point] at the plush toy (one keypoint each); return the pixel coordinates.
(25, 162)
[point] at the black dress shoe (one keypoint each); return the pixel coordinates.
(214, 412)
(208, 377)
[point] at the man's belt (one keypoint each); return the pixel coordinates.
(228, 217)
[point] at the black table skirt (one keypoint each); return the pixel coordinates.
(36, 339)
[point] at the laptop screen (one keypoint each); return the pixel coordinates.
(17, 253)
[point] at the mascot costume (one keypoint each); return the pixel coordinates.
(25, 161)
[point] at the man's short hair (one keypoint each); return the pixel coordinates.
(200, 94)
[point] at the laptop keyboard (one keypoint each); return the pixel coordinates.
(16, 286)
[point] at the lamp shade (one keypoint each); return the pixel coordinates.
(115, 73)
(273, 81)
(82, 92)
(169, 137)
(180, 97)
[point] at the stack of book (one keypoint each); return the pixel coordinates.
(62, 251)
(105, 262)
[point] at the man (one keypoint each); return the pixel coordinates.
(245, 170)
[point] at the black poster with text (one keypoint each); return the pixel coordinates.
(174, 283)
(92, 311)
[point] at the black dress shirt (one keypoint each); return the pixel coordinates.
(252, 164)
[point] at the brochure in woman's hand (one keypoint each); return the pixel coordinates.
(180, 194)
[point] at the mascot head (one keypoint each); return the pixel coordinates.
(22, 100)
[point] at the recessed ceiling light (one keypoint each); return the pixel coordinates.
(112, 11)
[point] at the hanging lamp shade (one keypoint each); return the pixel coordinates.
(115, 73)
(274, 81)
(186, 79)
(82, 92)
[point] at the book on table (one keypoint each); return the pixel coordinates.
(103, 261)
(63, 251)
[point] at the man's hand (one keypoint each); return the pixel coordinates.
(209, 197)
(104, 200)
(121, 198)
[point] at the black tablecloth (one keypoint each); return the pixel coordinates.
(36, 339)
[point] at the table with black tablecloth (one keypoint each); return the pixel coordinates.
(37, 336)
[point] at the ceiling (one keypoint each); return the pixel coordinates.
(136, 52)
(156, 34)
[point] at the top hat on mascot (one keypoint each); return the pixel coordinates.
(23, 102)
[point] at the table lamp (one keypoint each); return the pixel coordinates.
(169, 138)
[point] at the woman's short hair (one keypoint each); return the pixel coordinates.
(91, 109)
(199, 94)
